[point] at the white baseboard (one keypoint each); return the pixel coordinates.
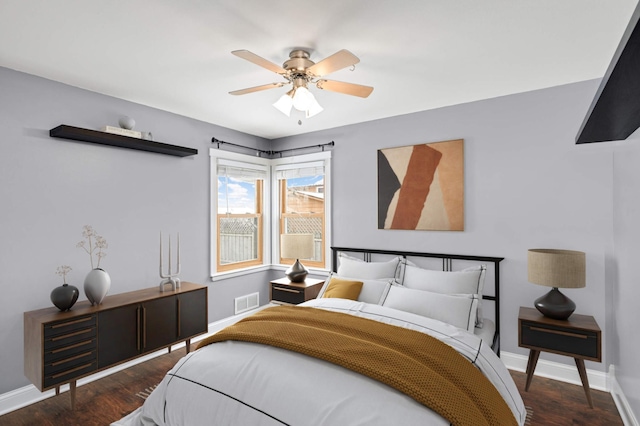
(27, 395)
(556, 371)
(624, 408)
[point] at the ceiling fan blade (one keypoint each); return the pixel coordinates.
(256, 88)
(252, 57)
(346, 88)
(335, 62)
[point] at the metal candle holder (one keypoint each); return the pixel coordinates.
(170, 277)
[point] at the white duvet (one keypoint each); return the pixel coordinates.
(238, 383)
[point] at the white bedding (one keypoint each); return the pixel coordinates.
(487, 331)
(238, 383)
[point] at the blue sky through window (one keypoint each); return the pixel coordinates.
(239, 196)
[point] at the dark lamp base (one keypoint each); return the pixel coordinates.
(555, 305)
(296, 273)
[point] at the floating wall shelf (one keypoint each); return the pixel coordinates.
(103, 138)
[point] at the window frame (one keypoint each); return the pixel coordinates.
(248, 162)
(299, 161)
(270, 209)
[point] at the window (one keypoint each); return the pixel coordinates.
(239, 219)
(301, 201)
(247, 191)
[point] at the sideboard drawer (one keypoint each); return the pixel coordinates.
(70, 338)
(68, 326)
(70, 350)
(53, 379)
(70, 362)
(583, 343)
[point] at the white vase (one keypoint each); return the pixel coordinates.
(96, 285)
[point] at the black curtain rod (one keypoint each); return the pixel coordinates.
(270, 153)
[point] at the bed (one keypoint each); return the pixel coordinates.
(372, 359)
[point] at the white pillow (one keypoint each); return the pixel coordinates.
(352, 267)
(402, 268)
(373, 291)
(466, 281)
(459, 310)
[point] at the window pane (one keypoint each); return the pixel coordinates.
(239, 239)
(303, 211)
(239, 217)
(307, 225)
(236, 196)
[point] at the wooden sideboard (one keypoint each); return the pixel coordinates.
(62, 347)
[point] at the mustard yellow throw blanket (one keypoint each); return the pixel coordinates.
(414, 363)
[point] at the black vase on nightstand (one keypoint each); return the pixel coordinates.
(65, 296)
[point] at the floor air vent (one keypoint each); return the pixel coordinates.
(247, 302)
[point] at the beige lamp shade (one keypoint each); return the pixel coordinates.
(296, 246)
(557, 268)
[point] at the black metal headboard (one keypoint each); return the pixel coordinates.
(447, 265)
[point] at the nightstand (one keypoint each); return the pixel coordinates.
(578, 337)
(284, 291)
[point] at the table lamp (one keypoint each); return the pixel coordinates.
(296, 246)
(556, 269)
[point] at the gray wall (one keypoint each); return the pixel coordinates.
(527, 185)
(50, 188)
(625, 282)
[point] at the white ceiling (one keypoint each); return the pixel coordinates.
(417, 54)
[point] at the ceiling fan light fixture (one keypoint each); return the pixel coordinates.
(284, 104)
(299, 71)
(314, 109)
(302, 99)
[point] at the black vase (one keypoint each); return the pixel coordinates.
(64, 296)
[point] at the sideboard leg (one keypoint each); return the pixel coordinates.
(72, 394)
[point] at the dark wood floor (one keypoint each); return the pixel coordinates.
(97, 403)
(560, 404)
(111, 398)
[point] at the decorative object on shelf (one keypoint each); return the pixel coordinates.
(556, 269)
(118, 140)
(97, 282)
(120, 131)
(170, 277)
(65, 296)
(127, 123)
(296, 246)
(147, 136)
(421, 187)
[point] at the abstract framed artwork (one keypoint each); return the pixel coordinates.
(421, 187)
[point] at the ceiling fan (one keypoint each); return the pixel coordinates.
(300, 71)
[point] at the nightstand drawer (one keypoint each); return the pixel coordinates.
(572, 342)
(286, 294)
